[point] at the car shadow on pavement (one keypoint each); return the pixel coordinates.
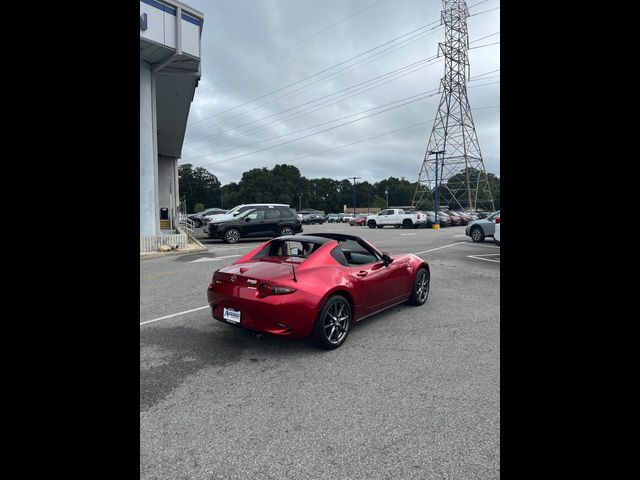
(169, 354)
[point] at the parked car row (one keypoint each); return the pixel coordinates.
(277, 219)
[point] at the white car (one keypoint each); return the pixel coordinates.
(237, 210)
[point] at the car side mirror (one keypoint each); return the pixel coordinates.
(387, 259)
(247, 219)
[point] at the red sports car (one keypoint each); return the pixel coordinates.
(359, 220)
(315, 285)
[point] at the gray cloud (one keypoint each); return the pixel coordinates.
(238, 35)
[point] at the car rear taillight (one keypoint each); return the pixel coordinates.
(497, 219)
(266, 289)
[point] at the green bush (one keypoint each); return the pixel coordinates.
(198, 208)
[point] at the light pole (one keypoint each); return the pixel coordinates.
(299, 202)
(354, 195)
(368, 212)
(386, 192)
(221, 197)
(436, 224)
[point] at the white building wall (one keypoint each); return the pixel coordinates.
(149, 217)
(166, 184)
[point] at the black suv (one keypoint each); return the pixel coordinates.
(257, 222)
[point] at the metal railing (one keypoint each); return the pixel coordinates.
(188, 224)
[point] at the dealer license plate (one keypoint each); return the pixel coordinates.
(231, 315)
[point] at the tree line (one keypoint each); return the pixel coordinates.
(201, 189)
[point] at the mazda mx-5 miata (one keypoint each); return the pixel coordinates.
(315, 285)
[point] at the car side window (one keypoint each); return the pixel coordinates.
(257, 215)
(272, 214)
(356, 253)
(339, 256)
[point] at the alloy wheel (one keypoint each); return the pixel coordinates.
(336, 323)
(232, 236)
(423, 286)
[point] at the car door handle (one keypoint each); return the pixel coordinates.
(362, 274)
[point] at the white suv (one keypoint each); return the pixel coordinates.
(235, 211)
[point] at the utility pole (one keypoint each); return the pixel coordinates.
(461, 174)
(386, 192)
(354, 195)
(299, 202)
(221, 196)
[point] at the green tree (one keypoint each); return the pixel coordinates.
(458, 182)
(198, 186)
(199, 207)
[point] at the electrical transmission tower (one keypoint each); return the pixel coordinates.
(461, 175)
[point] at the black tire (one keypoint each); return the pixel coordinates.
(422, 281)
(286, 231)
(406, 223)
(232, 235)
(371, 224)
(325, 334)
(379, 226)
(497, 242)
(477, 234)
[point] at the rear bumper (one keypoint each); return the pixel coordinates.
(290, 315)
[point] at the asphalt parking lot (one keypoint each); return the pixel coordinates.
(413, 393)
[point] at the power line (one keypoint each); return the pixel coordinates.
(216, 134)
(485, 11)
(330, 76)
(304, 112)
(483, 74)
(363, 87)
(369, 138)
(376, 137)
(486, 36)
(422, 96)
(325, 123)
(318, 73)
(486, 45)
(224, 80)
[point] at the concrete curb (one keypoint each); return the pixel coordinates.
(173, 253)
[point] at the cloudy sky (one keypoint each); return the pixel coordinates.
(281, 77)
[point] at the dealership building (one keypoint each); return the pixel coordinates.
(170, 52)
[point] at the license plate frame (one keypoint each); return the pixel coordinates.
(232, 316)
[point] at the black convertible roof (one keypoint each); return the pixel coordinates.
(304, 238)
(319, 238)
(333, 236)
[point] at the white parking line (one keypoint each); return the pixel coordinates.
(174, 315)
(407, 234)
(483, 245)
(478, 257)
(438, 248)
(215, 259)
